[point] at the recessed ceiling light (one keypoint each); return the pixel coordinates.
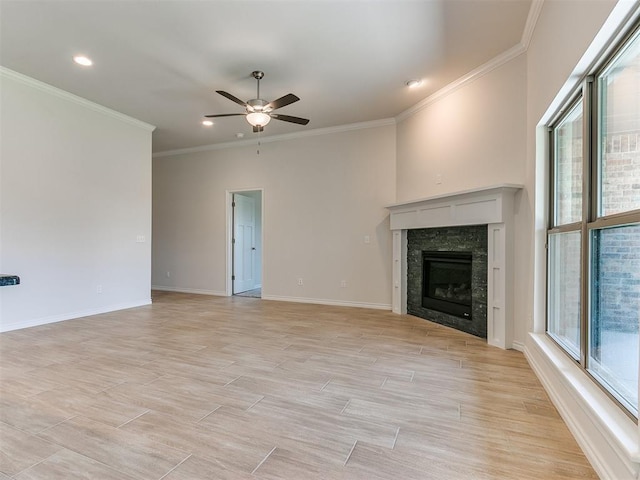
(414, 83)
(207, 123)
(82, 60)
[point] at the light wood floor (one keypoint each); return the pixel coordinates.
(197, 387)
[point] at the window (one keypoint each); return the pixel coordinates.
(593, 279)
(568, 168)
(564, 291)
(615, 303)
(619, 125)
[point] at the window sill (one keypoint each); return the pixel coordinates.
(609, 438)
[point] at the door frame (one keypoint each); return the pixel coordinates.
(229, 236)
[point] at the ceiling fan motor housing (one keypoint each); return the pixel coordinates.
(257, 105)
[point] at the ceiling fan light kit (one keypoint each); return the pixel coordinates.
(258, 119)
(258, 111)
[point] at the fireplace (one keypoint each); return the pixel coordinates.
(492, 268)
(447, 276)
(446, 282)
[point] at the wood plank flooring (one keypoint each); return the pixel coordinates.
(198, 387)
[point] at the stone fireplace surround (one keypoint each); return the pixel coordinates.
(470, 239)
(491, 206)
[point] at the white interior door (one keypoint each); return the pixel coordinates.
(243, 243)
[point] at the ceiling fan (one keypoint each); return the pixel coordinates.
(258, 112)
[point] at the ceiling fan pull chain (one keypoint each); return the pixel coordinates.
(258, 150)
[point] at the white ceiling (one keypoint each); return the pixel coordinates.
(160, 61)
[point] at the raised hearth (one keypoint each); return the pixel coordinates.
(491, 207)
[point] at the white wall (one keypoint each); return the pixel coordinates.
(492, 131)
(609, 438)
(473, 137)
(547, 75)
(322, 195)
(75, 194)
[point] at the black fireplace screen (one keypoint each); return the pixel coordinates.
(446, 282)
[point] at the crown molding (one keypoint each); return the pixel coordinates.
(473, 75)
(45, 87)
(278, 138)
(482, 70)
(532, 20)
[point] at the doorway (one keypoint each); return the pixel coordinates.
(244, 259)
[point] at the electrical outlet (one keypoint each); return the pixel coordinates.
(343, 284)
(300, 282)
(438, 179)
(168, 274)
(98, 288)
(367, 239)
(141, 239)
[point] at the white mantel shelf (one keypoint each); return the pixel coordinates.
(468, 207)
(491, 206)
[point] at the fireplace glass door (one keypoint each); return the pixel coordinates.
(446, 282)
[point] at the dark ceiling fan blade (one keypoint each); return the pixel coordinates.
(225, 115)
(289, 118)
(288, 99)
(258, 129)
(232, 98)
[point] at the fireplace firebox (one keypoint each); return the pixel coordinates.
(446, 282)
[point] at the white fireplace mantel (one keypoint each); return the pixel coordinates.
(492, 206)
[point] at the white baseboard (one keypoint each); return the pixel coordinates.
(608, 437)
(336, 303)
(316, 301)
(196, 291)
(72, 315)
(519, 346)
